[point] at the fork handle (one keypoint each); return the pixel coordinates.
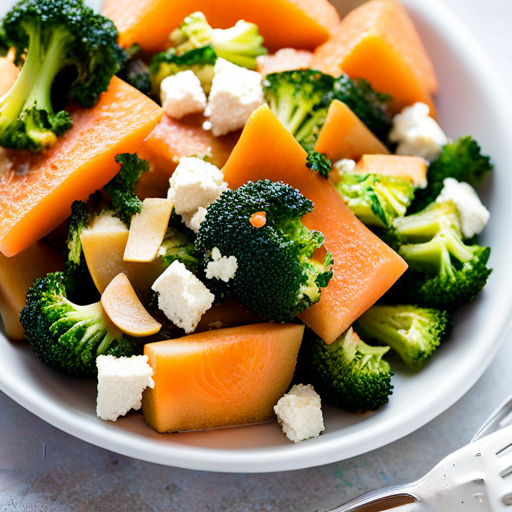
(379, 500)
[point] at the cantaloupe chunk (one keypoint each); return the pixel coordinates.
(125, 310)
(8, 74)
(344, 135)
(172, 139)
(412, 168)
(147, 230)
(104, 244)
(37, 193)
(17, 275)
(286, 59)
(364, 267)
(379, 42)
(282, 23)
(220, 378)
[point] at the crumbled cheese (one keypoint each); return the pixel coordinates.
(195, 183)
(193, 220)
(121, 382)
(222, 267)
(341, 167)
(417, 134)
(473, 214)
(182, 94)
(182, 297)
(236, 92)
(299, 413)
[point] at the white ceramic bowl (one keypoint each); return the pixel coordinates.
(472, 101)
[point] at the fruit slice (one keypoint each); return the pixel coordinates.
(172, 139)
(379, 42)
(38, 191)
(410, 168)
(17, 275)
(364, 267)
(104, 244)
(286, 59)
(220, 378)
(147, 230)
(8, 74)
(344, 135)
(282, 23)
(125, 310)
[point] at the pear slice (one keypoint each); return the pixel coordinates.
(125, 310)
(147, 230)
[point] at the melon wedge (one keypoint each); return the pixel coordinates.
(220, 378)
(286, 59)
(125, 310)
(378, 41)
(344, 135)
(17, 275)
(172, 139)
(38, 191)
(282, 23)
(8, 74)
(364, 267)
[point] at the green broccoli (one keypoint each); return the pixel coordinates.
(135, 71)
(68, 337)
(413, 332)
(200, 60)
(366, 103)
(462, 160)
(348, 373)
(125, 202)
(51, 36)
(295, 97)
(319, 162)
(240, 44)
(277, 276)
(377, 200)
(178, 244)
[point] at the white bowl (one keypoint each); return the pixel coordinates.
(471, 101)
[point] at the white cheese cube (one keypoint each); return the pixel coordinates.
(182, 297)
(236, 92)
(121, 382)
(299, 413)
(182, 94)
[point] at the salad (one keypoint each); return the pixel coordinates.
(342, 227)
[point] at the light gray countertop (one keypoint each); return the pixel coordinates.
(41, 468)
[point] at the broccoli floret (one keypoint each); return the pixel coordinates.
(135, 71)
(178, 244)
(295, 97)
(201, 61)
(319, 162)
(462, 160)
(66, 336)
(413, 332)
(277, 276)
(125, 202)
(376, 199)
(49, 37)
(366, 103)
(240, 44)
(348, 373)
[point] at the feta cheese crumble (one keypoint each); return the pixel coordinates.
(299, 413)
(182, 297)
(194, 184)
(193, 220)
(121, 381)
(236, 92)
(473, 214)
(222, 267)
(416, 133)
(182, 94)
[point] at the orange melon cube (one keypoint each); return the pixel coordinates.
(378, 42)
(286, 59)
(220, 378)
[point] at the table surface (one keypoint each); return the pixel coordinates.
(42, 468)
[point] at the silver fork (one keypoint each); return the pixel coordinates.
(478, 477)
